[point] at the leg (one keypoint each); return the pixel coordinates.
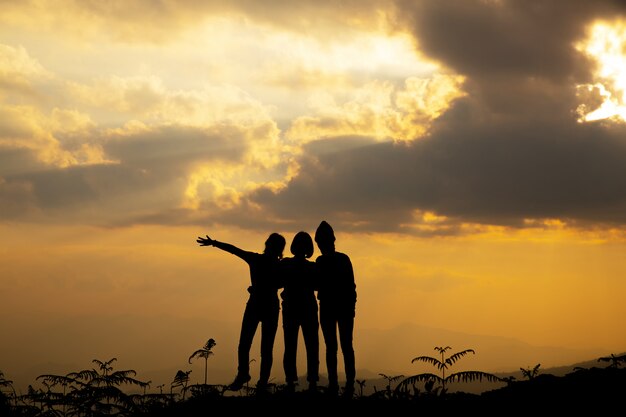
(310, 332)
(329, 330)
(249, 325)
(346, 329)
(290, 332)
(269, 325)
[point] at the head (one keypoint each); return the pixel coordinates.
(274, 245)
(325, 237)
(302, 245)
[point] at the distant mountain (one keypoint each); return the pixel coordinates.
(157, 347)
(392, 350)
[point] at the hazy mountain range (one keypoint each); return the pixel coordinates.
(157, 347)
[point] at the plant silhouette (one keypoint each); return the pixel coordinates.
(98, 392)
(530, 373)
(361, 383)
(6, 385)
(204, 352)
(91, 391)
(615, 361)
(5, 382)
(181, 379)
(443, 364)
(390, 379)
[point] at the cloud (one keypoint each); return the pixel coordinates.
(128, 148)
(146, 98)
(19, 71)
(512, 37)
(380, 110)
(149, 172)
(511, 150)
(55, 139)
(488, 136)
(160, 22)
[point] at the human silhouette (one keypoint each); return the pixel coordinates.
(299, 306)
(262, 306)
(337, 303)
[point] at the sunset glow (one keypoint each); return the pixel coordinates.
(471, 162)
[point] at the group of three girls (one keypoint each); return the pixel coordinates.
(331, 276)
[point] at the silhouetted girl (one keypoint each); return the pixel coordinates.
(337, 297)
(262, 306)
(300, 310)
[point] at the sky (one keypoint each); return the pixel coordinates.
(470, 155)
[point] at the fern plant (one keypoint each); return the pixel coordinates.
(204, 352)
(361, 383)
(181, 379)
(390, 379)
(92, 392)
(530, 373)
(614, 361)
(443, 363)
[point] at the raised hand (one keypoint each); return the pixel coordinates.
(205, 241)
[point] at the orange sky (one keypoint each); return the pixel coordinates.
(470, 156)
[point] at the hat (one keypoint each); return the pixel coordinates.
(324, 232)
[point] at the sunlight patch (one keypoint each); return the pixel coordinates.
(380, 110)
(606, 97)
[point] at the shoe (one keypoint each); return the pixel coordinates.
(348, 391)
(332, 390)
(239, 382)
(262, 388)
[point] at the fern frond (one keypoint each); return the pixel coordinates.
(110, 361)
(201, 353)
(470, 376)
(123, 374)
(105, 364)
(210, 344)
(452, 359)
(84, 375)
(429, 359)
(395, 378)
(180, 378)
(418, 378)
(56, 379)
(616, 361)
(124, 377)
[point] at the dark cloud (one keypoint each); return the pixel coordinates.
(175, 147)
(149, 175)
(511, 150)
(525, 38)
(14, 161)
(490, 175)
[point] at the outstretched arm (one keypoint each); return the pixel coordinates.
(227, 247)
